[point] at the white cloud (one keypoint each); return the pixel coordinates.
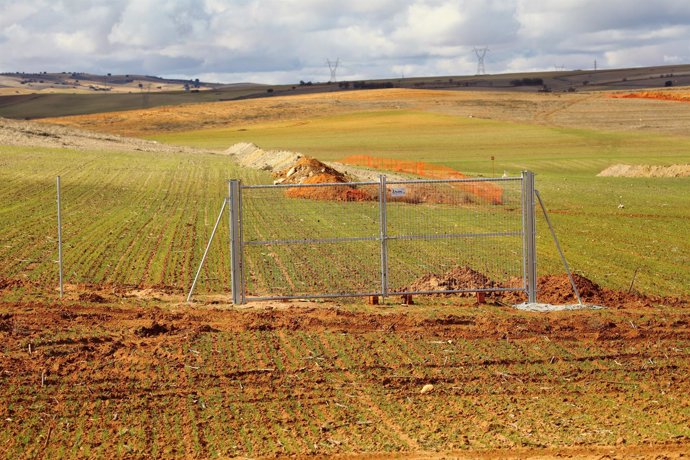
(290, 40)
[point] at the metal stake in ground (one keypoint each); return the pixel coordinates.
(208, 246)
(59, 222)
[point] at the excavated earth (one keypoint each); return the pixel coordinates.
(621, 170)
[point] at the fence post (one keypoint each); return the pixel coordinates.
(383, 234)
(236, 275)
(59, 225)
(529, 230)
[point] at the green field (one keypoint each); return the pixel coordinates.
(143, 219)
(128, 218)
(602, 241)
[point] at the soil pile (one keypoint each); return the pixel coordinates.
(296, 168)
(456, 279)
(551, 289)
(621, 170)
(307, 171)
(557, 290)
(252, 156)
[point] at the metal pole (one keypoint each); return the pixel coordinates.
(208, 246)
(59, 222)
(236, 275)
(530, 233)
(383, 234)
(558, 246)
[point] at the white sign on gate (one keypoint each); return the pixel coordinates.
(398, 191)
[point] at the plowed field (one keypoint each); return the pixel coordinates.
(127, 379)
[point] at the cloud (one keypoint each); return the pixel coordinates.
(289, 40)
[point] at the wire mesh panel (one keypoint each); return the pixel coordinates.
(454, 235)
(311, 240)
(381, 238)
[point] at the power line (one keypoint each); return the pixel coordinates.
(481, 54)
(333, 66)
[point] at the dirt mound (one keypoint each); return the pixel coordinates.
(551, 289)
(153, 330)
(557, 290)
(92, 297)
(456, 279)
(252, 156)
(304, 169)
(307, 171)
(622, 170)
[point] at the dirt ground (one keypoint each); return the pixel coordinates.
(138, 374)
(33, 134)
(621, 170)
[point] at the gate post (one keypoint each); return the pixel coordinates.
(529, 231)
(383, 234)
(236, 274)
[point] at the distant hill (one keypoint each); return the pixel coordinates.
(45, 95)
(78, 82)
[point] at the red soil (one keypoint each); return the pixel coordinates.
(551, 289)
(657, 95)
(311, 171)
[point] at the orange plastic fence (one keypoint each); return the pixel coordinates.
(485, 190)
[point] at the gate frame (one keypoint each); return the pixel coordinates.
(529, 251)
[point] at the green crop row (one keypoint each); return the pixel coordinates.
(136, 219)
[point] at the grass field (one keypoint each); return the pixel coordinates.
(129, 218)
(164, 197)
(604, 242)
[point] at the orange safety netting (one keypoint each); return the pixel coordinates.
(485, 190)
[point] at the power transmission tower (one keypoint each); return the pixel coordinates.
(481, 54)
(333, 66)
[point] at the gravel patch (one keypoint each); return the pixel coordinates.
(545, 307)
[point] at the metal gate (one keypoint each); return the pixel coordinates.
(382, 238)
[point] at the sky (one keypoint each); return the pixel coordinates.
(285, 41)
